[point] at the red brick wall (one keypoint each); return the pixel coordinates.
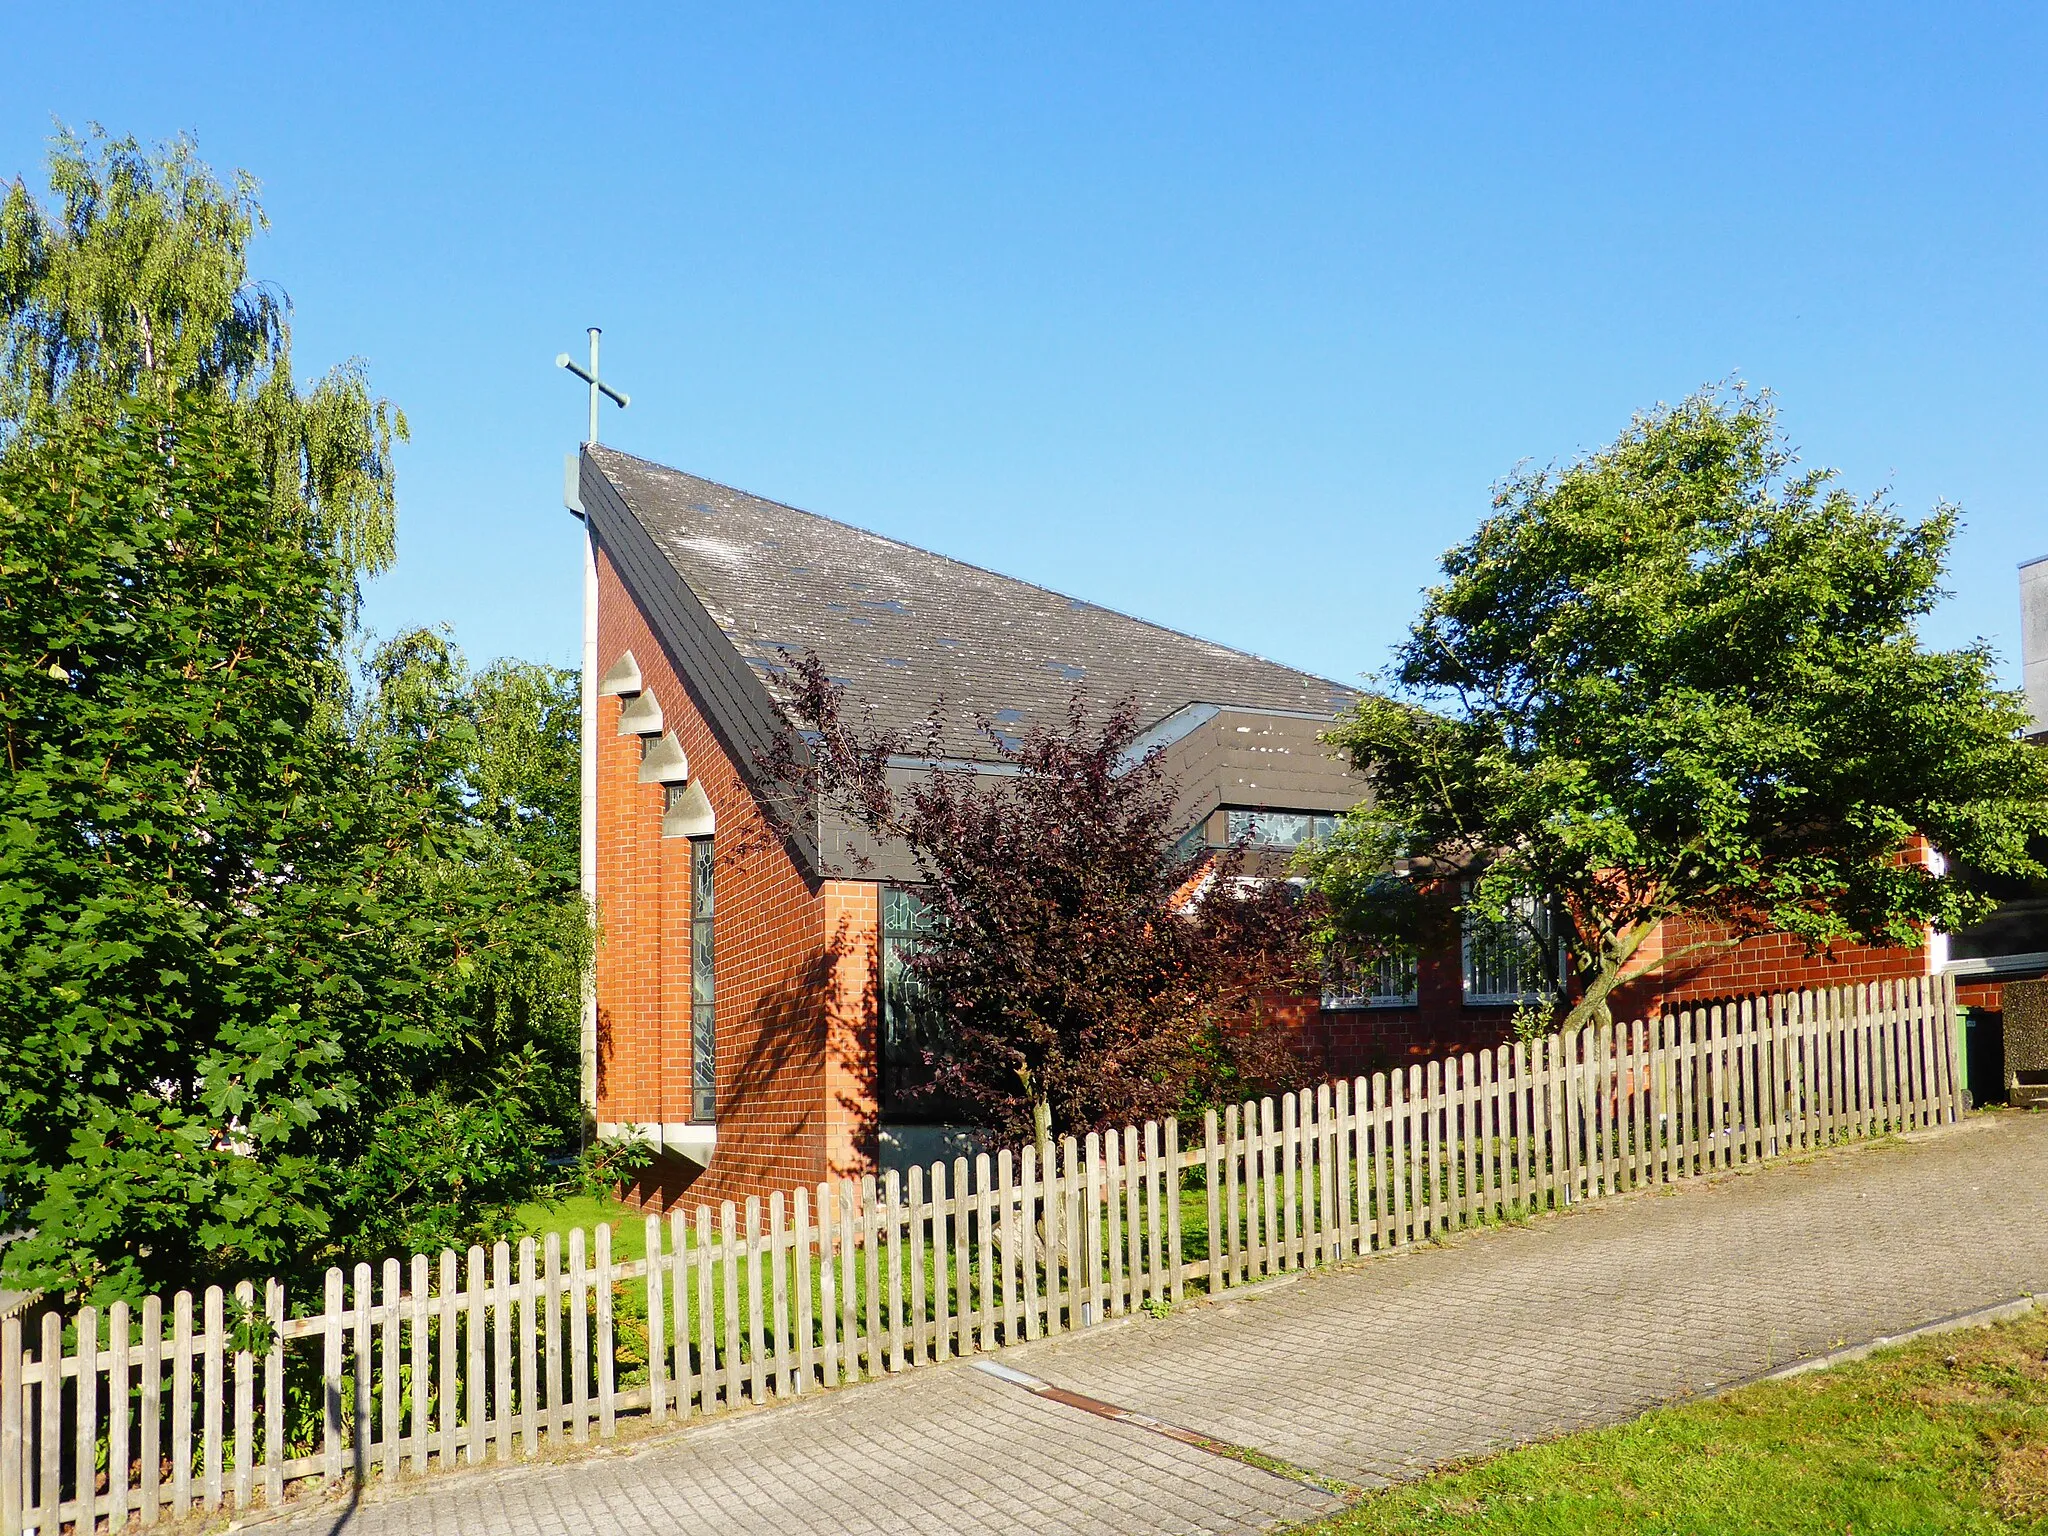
(796, 962)
(1774, 962)
(1441, 1024)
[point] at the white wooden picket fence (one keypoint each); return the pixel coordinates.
(106, 1418)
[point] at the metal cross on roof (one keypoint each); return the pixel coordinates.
(597, 384)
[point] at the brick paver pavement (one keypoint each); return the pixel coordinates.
(1374, 1371)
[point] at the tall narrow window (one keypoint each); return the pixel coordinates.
(703, 1056)
(907, 1020)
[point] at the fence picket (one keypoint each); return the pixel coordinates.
(387, 1365)
(119, 1362)
(778, 1244)
(476, 1387)
(13, 1496)
(1006, 1239)
(273, 1396)
(579, 1339)
(707, 1311)
(1042, 1244)
(1887, 1056)
(984, 1250)
(1070, 1222)
(527, 1388)
(557, 1419)
(849, 1299)
(892, 1225)
(918, 1220)
(449, 1381)
(756, 1342)
(1027, 1243)
(1343, 1131)
(607, 1355)
(50, 1435)
(963, 1270)
(729, 1273)
(1945, 1003)
(1223, 1243)
(802, 1278)
(85, 1343)
(871, 1245)
(151, 1402)
(1098, 1216)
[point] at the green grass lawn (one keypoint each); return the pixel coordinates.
(1903, 1442)
(629, 1229)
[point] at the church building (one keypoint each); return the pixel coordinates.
(750, 1020)
(744, 1027)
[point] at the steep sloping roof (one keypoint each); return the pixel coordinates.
(904, 627)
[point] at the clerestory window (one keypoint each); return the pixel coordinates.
(1279, 829)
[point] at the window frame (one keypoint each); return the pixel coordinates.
(900, 991)
(703, 983)
(1336, 1000)
(1250, 815)
(1548, 991)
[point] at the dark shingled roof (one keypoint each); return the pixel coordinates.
(902, 626)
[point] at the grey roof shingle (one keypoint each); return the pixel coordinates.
(904, 627)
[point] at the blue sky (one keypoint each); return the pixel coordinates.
(1228, 317)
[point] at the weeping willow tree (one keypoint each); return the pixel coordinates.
(131, 282)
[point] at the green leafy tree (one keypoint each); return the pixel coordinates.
(467, 1135)
(283, 981)
(134, 281)
(1682, 675)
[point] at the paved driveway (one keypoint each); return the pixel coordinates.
(1372, 1372)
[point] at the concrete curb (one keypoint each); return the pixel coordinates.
(1977, 1317)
